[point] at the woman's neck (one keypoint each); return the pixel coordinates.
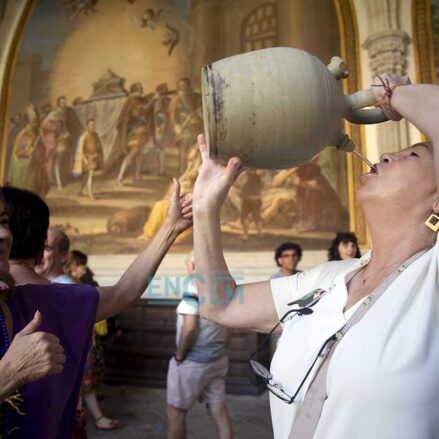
(77, 280)
(394, 243)
(23, 272)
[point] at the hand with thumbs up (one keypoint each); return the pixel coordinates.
(33, 354)
(180, 210)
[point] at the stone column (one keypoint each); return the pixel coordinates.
(206, 21)
(387, 49)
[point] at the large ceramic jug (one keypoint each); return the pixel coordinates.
(277, 108)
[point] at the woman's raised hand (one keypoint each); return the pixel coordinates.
(34, 354)
(383, 87)
(214, 180)
(180, 209)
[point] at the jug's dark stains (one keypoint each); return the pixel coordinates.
(216, 86)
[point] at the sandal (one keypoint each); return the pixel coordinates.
(111, 425)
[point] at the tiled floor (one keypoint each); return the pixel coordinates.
(142, 412)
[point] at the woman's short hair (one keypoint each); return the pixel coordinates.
(287, 246)
(333, 253)
(28, 221)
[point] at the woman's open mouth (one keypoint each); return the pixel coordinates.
(373, 170)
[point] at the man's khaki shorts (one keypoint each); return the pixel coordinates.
(190, 381)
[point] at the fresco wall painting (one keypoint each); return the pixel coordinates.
(105, 108)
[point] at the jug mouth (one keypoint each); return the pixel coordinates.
(213, 103)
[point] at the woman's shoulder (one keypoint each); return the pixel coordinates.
(331, 270)
(55, 293)
(53, 288)
(320, 275)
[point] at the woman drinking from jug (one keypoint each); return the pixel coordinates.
(359, 353)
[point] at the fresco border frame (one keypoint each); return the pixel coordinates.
(350, 52)
(423, 41)
(12, 34)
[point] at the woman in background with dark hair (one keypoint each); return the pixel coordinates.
(344, 246)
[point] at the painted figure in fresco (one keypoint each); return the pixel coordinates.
(160, 209)
(45, 109)
(135, 130)
(241, 204)
(53, 134)
(280, 197)
(89, 158)
(188, 119)
(251, 201)
(322, 209)
(171, 38)
(162, 123)
(17, 123)
(61, 129)
(151, 17)
(23, 147)
(81, 7)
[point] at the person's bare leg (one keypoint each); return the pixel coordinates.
(93, 405)
(90, 185)
(126, 164)
(83, 184)
(56, 170)
(138, 168)
(220, 415)
(176, 422)
(245, 225)
(271, 211)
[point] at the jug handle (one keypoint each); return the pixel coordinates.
(356, 112)
(367, 117)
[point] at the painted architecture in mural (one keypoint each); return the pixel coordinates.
(106, 107)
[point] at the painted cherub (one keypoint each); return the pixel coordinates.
(81, 7)
(151, 17)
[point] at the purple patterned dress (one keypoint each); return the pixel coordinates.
(68, 311)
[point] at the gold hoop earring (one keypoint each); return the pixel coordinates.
(433, 222)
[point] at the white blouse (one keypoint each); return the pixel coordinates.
(383, 379)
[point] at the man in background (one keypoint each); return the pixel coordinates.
(287, 257)
(56, 254)
(198, 369)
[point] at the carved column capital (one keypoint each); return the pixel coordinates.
(388, 52)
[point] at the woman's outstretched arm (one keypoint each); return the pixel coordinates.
(133, 283)
(249, 306)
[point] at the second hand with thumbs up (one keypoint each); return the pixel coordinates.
(32, 355)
